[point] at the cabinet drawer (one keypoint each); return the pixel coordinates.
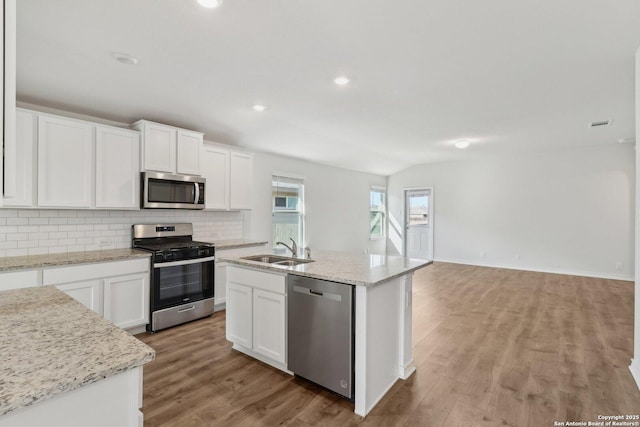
(54, 276)
(257, 279)
(19, 280)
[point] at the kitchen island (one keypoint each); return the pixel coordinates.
(257, 322)
(64, 365)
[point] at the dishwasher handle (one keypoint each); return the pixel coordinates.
(311, 292)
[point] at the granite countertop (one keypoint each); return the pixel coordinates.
(50, 344)
(221, 245)
(52, 260)
(345, 267)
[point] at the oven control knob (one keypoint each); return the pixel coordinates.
(169, 255)
(202, 252)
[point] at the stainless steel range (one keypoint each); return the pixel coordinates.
(182, 278)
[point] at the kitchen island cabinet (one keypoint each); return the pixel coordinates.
(382, 313)
(63, 365)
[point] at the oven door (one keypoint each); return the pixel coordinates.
(181, 282)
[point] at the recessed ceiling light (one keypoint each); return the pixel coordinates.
(125, 58)
(259, 107)
(461, 143)
(210, 3)
(341, 81)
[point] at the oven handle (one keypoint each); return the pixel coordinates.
(185, 262)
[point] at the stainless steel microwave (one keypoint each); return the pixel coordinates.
(168, 191)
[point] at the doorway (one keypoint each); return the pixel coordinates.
(418, 241)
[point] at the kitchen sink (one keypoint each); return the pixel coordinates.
(277, 260)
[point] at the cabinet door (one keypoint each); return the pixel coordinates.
(65, 162)
(240, 180)
(269, 325)
(89, 293)
(189, 148)
(215, 168)
(239, 314)
(126, 300)
(20, 171)
(159, 148)
(117, 168)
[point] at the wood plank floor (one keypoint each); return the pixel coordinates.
(492, 347)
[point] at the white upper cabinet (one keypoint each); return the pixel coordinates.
(158, 146)
(240, 180)
(65, 162)
(215, 169)
(20, 173)
(8, 145)
(117, 168)
(169, 149)
(189, 148)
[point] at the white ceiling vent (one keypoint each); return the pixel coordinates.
(600, 123)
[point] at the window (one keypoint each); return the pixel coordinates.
(287, 196)
(377, 218)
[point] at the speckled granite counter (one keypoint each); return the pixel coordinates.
(52, 260)
(221, 245)
(50, 344)
(344, 267)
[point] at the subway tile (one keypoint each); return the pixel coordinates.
(12, 244)
(66, 242)
(9, 229)
(28, 244)
(17, 236)
(17, 252)
(28, 213)
(67, 227)
(47, 243)
(17, 221)
(58, 220)
(38, 236)
(85, 227)
(48, 228)
(28, 228)
(58, 235)
(38, 251)
(79, 220)
(38, 221)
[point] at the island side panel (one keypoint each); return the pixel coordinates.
(114, 401)
(407, 366)
(381, 340)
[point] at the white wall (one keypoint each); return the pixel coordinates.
(635, 365)
(567, 211)
(336, 203)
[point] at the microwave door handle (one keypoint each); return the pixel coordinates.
(195, 202)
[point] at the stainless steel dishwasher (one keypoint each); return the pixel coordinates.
(321, 333)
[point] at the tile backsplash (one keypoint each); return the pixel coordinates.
(42, 231)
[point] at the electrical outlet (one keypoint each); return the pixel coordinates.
(517, 257)
(619, 266)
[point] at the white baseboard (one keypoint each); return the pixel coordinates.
(220, 305)
(407, 371)
(540, 270)
(635, 371)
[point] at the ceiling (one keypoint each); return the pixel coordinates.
(504, 74)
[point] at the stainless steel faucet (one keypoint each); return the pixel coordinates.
(293, 248)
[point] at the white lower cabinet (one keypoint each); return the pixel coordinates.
(269, 324)
(256, 314)
(220, 292)
(118, 290)
(239, 314)
(126, 300)
(89, 293)
(20, 279)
